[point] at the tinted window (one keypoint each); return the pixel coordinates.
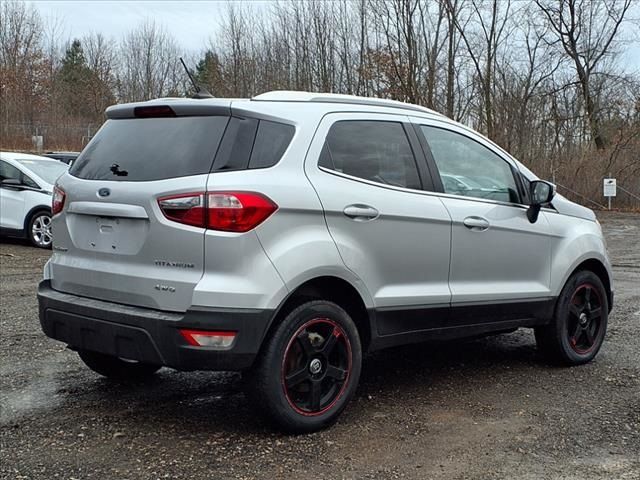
(470, 169)
(251, 143)
(9, 171)
(271, 142)
(146, 149)
(236, 146)
(373, 150)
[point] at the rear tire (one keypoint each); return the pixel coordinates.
(117, 368)
(577, 331)
(308, 369)
(39, 229)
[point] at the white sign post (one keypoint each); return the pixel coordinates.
(609, 189)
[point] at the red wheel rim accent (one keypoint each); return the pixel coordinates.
(300, 361)
(584, 323)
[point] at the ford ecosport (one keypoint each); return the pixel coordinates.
(287, 234)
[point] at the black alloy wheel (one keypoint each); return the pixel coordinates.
(577, 330)
(308, 368)
(316, 366)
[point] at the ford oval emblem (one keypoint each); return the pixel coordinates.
(104, 192)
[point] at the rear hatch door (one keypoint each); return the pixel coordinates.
(112, 240)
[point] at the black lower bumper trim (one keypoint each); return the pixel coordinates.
(151, 336)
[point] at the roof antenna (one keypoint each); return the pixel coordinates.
(201, 92)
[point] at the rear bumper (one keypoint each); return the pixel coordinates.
(151, 336)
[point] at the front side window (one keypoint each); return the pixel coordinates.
(470, 169)
(10, 172)
(373, 150)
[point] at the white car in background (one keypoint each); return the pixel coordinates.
(26, 186)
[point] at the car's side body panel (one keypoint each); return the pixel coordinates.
(573, 242)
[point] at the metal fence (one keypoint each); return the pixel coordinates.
(43, 137)
(624, 198)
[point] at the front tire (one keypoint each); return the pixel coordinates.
(39, 230)
(117, 368)
(309, 368)
(577, 332)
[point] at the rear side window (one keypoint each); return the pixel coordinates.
(235, 150)
(249, 143)
(145, 149)
(272, 140)
(373, 150)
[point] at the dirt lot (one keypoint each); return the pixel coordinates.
(484, 409)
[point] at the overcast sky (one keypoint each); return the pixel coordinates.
(193, 22)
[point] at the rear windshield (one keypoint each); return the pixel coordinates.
(145, 149)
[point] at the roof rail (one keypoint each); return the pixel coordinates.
(295, 96)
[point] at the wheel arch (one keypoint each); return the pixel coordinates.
(333, 289)
(596, 266)
(32, 212)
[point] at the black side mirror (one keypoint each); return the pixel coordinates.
(541, 192)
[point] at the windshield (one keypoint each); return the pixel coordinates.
(47, 170)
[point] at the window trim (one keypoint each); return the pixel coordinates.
(417, 158)
(515, 172)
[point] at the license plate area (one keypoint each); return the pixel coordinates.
(120, 236)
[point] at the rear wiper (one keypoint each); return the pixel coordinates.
(115, 169)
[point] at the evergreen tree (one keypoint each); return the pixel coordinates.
(74, 77)
(209, 74)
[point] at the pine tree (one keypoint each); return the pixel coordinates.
(209, 74)
(73, 79)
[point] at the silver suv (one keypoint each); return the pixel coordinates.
(288, 234)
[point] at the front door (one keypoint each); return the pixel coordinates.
(497, 256)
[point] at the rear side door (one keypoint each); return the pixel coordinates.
(497, 256)
(130, 230)
(367, 172)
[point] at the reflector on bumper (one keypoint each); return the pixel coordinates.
(204, 338)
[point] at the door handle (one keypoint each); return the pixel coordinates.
(476, 224)
(361, 213)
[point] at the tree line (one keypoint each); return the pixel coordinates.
(542, 78)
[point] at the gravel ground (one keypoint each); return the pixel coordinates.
(484, 409)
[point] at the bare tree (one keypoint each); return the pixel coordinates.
(587, 32)
(102, 61)
(23, 66)
(492, 21)
(149, 69)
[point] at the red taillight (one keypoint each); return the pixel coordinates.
(187, 208)
(237, 211)
(57, 201)
(226, 211)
